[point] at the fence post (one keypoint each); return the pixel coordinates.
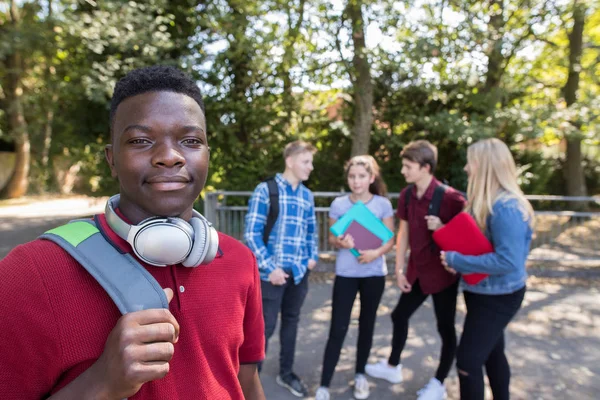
(210, 206)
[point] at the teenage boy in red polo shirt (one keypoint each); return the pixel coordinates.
(62, 336)
(425, 274)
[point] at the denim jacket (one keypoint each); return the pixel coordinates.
(511, 236)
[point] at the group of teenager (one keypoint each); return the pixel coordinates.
(64, 337)
(500, 210)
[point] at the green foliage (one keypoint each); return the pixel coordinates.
(273, 71)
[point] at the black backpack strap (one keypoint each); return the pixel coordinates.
(407, 196)
(436, 200)
(434, 209)
(273, 208)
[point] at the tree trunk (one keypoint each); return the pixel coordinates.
(495, 69)
(573, 170)
(17, 125)
(573, 166)
(289, 59)
(48, 134)
(361, 81)
(240, 61)
(49, 104)
(495, 56)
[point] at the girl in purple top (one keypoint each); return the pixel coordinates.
(364, 274)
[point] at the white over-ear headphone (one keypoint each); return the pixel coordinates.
(163, 241)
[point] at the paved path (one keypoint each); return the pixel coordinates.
(553, 345)
(22, 221)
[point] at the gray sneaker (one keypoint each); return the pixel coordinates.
(292, 383)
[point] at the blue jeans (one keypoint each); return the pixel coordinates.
(288, 299)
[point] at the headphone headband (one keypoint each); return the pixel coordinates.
(162, 241)
(122, 228)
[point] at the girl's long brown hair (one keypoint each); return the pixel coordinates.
(378, 186)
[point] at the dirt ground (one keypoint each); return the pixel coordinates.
(553, 344)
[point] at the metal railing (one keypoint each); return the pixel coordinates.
(567, 229)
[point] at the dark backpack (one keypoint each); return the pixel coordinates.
(436, 199)
(434, 206)
(273, 208)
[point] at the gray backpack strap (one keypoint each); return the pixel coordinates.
(126, 281)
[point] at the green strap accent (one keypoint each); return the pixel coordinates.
(75, 232)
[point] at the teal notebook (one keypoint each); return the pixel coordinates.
(361, 214)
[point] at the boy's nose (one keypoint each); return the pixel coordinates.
(168, 156)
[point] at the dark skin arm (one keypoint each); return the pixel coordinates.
(250, 382)
(138, 350)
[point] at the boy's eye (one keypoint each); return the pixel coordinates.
(139, 141)
(192, 141)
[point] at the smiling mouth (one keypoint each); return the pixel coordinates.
(168, 183)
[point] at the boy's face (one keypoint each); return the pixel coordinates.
(301, 165)
(159, 154)
(413, 172)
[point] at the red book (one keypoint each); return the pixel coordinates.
(463, 235)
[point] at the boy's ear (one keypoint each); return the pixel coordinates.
(108, 154)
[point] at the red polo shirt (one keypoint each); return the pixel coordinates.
(56, 318)
(424, 263)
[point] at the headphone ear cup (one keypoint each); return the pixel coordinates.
(200, 246)
(212, 245)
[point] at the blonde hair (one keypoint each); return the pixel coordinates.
(493, 177)
(297, 147)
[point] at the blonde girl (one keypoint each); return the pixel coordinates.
(503, 213)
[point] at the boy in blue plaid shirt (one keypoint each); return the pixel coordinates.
(289, 254)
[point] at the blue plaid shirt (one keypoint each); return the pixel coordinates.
(293, 240)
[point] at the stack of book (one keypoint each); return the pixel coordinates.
(367, 231)
(461, 234)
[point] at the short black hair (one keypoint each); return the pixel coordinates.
(157, 78)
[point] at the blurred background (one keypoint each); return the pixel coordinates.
(351, 76)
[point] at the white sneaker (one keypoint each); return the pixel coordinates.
(322, 393)
(361, 387)
(383, 370)
(434, 390)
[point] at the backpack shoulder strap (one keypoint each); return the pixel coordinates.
(407, 196)
(434, 209)
(126, 281)
(436, 200)
(273, 208)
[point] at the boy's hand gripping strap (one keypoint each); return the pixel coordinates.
(126, 281)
